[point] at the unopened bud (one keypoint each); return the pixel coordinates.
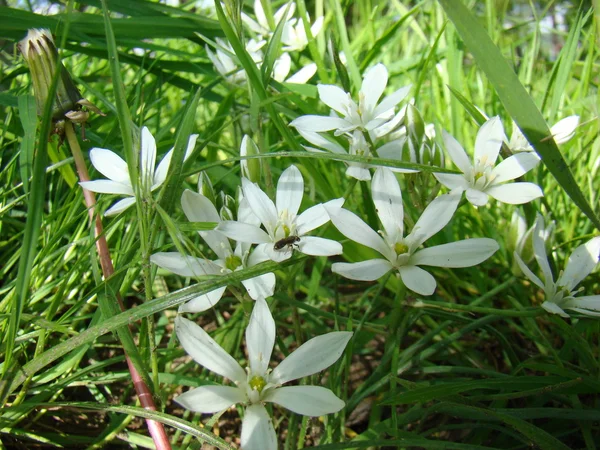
(250, 167)
(41, 56)
(205, 187)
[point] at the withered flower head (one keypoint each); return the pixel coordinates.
(41, 55)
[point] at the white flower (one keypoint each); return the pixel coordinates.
(113, 167)
(560, 295)
(283, 65)
(365, 116)
(258, 384)
(402, 253)
(562, 131)
(225, 64)
(285, 228)
(482, 178)
(198, 208)
(261, 26)
(294, 37)
(359, 146)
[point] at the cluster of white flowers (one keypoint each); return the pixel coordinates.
(259, 229)
(293, 38)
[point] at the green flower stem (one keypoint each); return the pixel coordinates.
(155, 428)
(455, 307)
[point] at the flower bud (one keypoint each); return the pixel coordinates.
(41, 56)
(205, 187)
(228, 206)
(250, 167)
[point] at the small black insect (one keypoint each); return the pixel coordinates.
(289, 241)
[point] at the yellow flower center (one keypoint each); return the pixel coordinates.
(400, 248)
(233, 262)
(257, 383)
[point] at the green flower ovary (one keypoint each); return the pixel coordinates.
(257, 383)
(400, 248)
(233, 262)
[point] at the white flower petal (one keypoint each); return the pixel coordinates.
(206, 352)
(262, 206)
(359, 172)
(465, 253)
(452, 180)
(290, 189)
(311, 357)
(553, 308)
(489, 141)
(315, 216)
(476, 197)
(515, 166)
(581, 263)
(260, 286)
(528, 273)
(387, 198)
(111, 165)
(119, 207)
(318, 246)
(163, 167)
(310, 401)
(515, 193)
(260, 337)
(586, 302)
(303, 75)
(317, 26)
(160, 174)
(539, 250)
(373, 85)
(391, 100)
(282, 67)
(334, 97)
(107, 187)
(147, 158)
(210, 399)
(257, 429)
(243, 232)
(185, 265)
(369, 270)
(353, 227)
(456, 152)
(203, 302)
(564, 129)
(320, 141)
(417, 280)
(198, 208)
(435, 217)
(319, 123)
(277, 255)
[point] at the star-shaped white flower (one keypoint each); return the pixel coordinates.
(198, 208)
(113, 167)
(403, 253)
(294, 37)
(225, 64)
(285, 228)
(482, 178)
(560, 295)
(258, 384)
(562, 131)
(261, 26)
(364, 116)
